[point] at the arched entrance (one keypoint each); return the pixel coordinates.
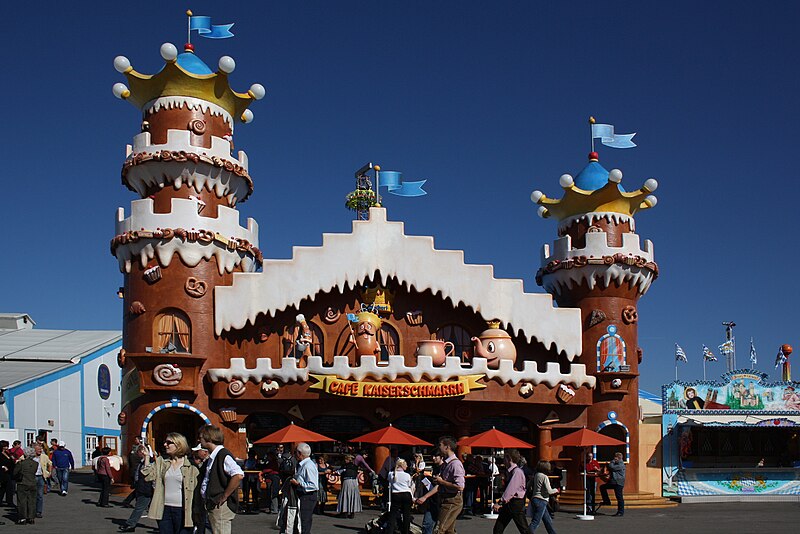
(172, 417)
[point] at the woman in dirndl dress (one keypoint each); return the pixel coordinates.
(349, 495)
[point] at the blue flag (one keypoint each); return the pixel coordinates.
(393, 180)
(206, 29)
(605, 132)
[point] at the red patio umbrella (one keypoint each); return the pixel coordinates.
(292, 434)
(391, 436)
(584, 438)
(494, 439)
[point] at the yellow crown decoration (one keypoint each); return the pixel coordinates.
(185, 75)
(605, 198)
(379, 298)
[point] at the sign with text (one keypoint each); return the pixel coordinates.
(378, 390)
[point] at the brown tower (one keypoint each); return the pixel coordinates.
(182, 239)
(598, 264)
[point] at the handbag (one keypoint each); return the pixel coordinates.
(552, 504)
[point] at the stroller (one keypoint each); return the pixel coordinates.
(380, 524)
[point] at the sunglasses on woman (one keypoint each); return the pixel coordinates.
(169, 442)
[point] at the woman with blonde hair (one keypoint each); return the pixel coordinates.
(175, 479)
(402, 491)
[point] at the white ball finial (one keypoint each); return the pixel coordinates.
(122, 64)
(566, 181)
(650, 200)
(120, 90)
(615, 176)
(542, 212)
(536, 196)
(169, 52)
(227, 64)
(650, 185)
(258, 91)
(247, 116)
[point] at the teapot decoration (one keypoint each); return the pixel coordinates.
(494, 344)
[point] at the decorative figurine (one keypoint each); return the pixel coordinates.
(494, 344)
(436, 349)
(365, 326)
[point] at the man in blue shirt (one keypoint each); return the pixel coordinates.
(306, 484)
(63, 462)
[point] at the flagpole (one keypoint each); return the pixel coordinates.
(189, 26)
(704, 366)
(591, 132)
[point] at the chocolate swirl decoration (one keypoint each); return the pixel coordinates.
(121, 358)
(236, 388)
(166, 374)
(122, 418)
(197, 126)
(331, 315)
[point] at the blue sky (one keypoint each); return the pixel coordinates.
(486, 102)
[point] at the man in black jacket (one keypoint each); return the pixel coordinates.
(221, 477)
(142, 489)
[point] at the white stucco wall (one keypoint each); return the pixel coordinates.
(98, 412)
(57, 401)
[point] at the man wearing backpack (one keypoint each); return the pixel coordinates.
(220, 480)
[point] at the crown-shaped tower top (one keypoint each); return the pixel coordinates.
(595, 190)
(186, 75)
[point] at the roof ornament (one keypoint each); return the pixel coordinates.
(365, 197)
(186, 76)
(595, 189)
(605, 132)
(205, 29)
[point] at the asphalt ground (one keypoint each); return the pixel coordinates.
(76, 513)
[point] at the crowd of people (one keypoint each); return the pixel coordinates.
(189, 490)
(32, 472)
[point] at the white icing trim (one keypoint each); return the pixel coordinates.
(594, 275)
(377, 245)
(396, 367)
(189, 102)
(183, 214)
(178, 140)
(592, 216)
(596, 247)
(198, 175)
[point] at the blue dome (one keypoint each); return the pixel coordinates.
(592, 177)
(191, 63)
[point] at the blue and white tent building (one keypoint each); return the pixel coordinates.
(62, 383)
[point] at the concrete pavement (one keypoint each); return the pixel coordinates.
(76, 513)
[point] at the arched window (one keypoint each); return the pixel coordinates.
(611, 352)
(387, 337)
(292, 333)
(459, 337)
(172, 332)
(344, 344)
(389, 340)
